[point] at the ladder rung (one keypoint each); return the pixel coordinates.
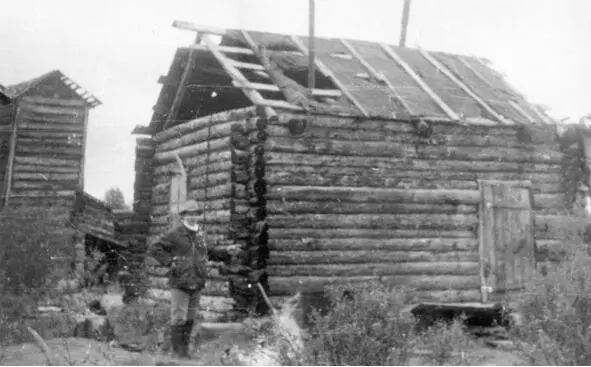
(246, 65)
(226, 49)
(279, 104)
(333, 93)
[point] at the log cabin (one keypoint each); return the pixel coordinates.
(43, 128)
(406, 166)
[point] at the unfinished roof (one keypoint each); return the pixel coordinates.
(17, 90)
(353, 78)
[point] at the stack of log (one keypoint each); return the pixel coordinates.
(215, 155)
(92, 216)
(377, 200)
(144, 171)
(49, 151)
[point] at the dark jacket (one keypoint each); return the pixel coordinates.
(186, 253)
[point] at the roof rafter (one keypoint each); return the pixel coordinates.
(464, 87)
(326, 71)
(394, 56)
(376, 74)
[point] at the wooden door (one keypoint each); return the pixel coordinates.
(507, 252)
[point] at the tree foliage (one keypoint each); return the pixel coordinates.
(115, 199)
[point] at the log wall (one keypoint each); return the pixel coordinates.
(349, 200)
(49, 151)
(215, 152)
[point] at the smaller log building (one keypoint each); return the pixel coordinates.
(43, 129)
(416, 168)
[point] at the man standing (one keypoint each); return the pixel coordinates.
(184, 251)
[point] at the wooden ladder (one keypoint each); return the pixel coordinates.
(234, 67)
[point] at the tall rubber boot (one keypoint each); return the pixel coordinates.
(177, 339)
(188, 328)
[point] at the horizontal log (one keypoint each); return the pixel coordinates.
(385, 221)
(213, 193)
(446, 296)
(42, 193)
(438, 127)
(40, 109)
(219, 204)
(46, 161)
(29, 124)
(215, 217)
(53, 101)
(46, 185)
(194, 150)
(561, 227)
(386, 149)
(329, 207)
(366, 256)
(549, 201)
(51, 142)
(237, 115)
(45, 150)
(51, 119)
(389, 165)
(361, 194)
(288, 284)
(48, 135)
(19, 175)
(443, 138)
(371, 177)
(305, 233)
(165, 171)
(433, 245)
(217, 131)
(374, 180)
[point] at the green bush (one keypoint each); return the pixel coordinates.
(36, 244)
(556, 314)
(374, 329)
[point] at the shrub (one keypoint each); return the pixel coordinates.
(143, 324)
(556, 314)
(33, 242)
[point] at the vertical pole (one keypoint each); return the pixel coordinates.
(11, 152)
(404, 24)
(311, 47)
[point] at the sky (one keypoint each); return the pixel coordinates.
(118, 49)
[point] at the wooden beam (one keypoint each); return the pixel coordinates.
(440, 67)
(180, 90)
(312, 47)
(225, 49)
(404, 23)
(188, 26)
(394, 56)
(330, 93)
(326, 71)
(11, 153)
(376, 74)
(84, 140)
(246, 65)
(481, 77)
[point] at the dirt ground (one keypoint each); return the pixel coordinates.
(85, 352)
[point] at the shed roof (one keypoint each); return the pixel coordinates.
(16, 90)
(353, 77)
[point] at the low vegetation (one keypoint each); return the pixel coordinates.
(370, 329)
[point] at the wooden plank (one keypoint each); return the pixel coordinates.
(486, 243)
(328, 73)
(464, 87)
(11, 154)
(188, 26)
(180, 90)
(246, 65)
(225, 49)
(444, 107)
(376, 74)
(83, 158)
(332, 93)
